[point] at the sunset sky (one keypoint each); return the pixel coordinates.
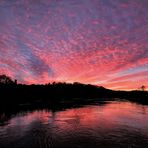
(101, 42)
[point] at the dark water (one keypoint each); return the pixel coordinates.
(113, 125)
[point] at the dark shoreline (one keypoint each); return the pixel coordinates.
(60, 94)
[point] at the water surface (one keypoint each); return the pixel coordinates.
(114, 124)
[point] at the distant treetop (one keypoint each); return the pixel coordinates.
(6, 80)
(143, 88)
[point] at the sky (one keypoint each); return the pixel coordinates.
(100, 42)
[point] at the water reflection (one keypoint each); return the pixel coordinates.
(116, 124)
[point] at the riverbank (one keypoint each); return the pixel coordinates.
(63, 93)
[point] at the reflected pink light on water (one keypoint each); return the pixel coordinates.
(106, 116)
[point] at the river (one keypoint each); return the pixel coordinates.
(112, 124)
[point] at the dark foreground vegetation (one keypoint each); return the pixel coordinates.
(60, 94)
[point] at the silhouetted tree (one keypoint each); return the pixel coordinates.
(15, 81)
(5, 80)
(143, 88)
